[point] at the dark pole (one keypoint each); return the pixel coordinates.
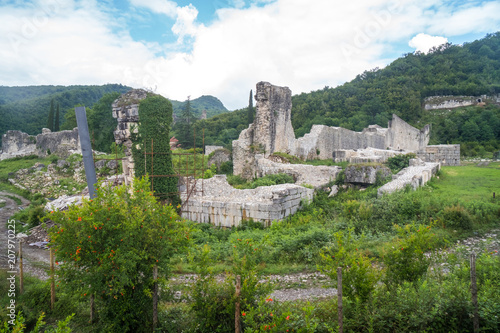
(88, 160)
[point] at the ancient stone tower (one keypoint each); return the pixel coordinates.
(126, 111)
(270, 132)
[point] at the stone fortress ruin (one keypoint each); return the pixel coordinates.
(215, 201)
(272, 132)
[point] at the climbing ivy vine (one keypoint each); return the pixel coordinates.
(155, 115)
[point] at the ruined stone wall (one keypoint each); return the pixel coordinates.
(17, 143)
(445, 154)
(126, 112)
(273, 129)
(303, 174)
(450, 102)
(323, 140)
(210, 149)
(63, 143)
(416, 175)
(225, 206)
(401, 135)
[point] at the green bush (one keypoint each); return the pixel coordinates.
(399, 162)
(358, 276)
(405, 257)
(117, 237)
(456, 217)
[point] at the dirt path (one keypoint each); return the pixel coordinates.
(35, 260)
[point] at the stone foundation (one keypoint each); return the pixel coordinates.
(215, 201)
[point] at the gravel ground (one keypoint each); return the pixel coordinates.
(35, 260)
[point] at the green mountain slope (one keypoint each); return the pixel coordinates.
(26, 108)
(211, 104)
(472, 69)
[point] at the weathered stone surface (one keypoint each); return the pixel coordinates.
(218, 157)
(63, 143)
(215, 201)
(17, 143)
(126, 112)
(316, 176)
(365, 155)
(271, 132)
(273, 129)
(365, 174)
(450, 102)
(416, 175)
(445, 154)
(211, 149)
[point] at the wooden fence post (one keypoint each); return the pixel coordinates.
(339, 295)
(52, 282)
(237, 328)
(155, 297)
(21, 276)
(474, 291)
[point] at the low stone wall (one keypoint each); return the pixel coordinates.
(210, 149)
(365, 174)
(215, 201)
(365, 155)
(316, 176)
(218, 157)
(416, 175)
(448, 155)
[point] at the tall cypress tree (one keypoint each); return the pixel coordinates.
(50, 120)
(250, 108)
(56, 126)
(185, 135)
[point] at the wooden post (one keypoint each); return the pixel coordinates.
(339, 295)
(155, 297)
(21, 276)
(237, 328)
(92, 308)
(474, 291)
(52, 282)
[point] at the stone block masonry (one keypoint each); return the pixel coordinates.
(416, 175)
(448, 155)
(215, 201)
(126, 112)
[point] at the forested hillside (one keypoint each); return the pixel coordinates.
(472, 69)
(27, 108)
(211, 104)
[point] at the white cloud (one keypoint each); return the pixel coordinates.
(166, 7)
(423, 42)
(303, 45)
(185, 24)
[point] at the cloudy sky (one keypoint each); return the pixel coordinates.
(224, 47)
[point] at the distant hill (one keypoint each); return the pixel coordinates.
(211, 104)
(26, 108)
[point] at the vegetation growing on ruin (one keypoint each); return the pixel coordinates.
(153, 137)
